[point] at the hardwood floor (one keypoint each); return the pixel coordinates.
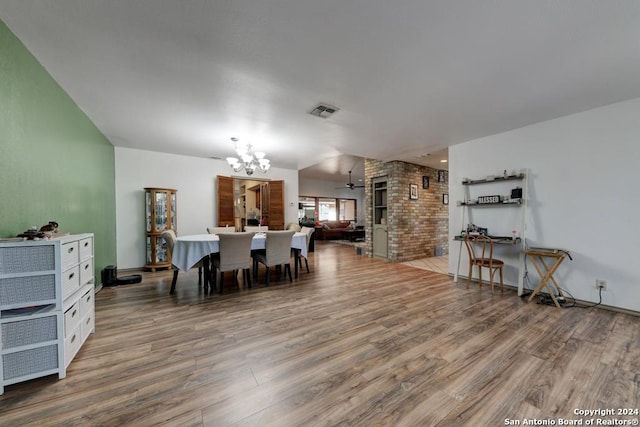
(356, 342)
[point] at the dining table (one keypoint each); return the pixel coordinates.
(190, 249)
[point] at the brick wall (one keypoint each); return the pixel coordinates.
(415, 227)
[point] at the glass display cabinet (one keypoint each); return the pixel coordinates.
(160, 213)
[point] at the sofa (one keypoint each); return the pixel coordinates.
(332, 230)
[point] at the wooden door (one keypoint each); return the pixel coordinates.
(275, 201)
(226, 210)
(380, 235)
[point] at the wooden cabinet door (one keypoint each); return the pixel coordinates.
(275, 202)
(226, 210)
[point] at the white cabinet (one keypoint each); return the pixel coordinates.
(46, 305)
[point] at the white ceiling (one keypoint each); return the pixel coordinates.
(410, 78)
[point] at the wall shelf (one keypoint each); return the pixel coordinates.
(518, 224)
(496, 179)
(491, 205)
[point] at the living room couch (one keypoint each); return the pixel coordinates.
(332, 230)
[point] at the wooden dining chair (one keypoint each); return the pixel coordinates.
(169, 236)
(234, 255)
(277, 252)
(308, 232)
(480, 249)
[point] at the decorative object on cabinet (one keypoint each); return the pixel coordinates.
(488, 197)
(52, 227)
(425, 182)
(413, 191)
(46, 305)
(160, 211)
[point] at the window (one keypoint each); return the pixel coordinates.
(347, 209)
(326, 209)
(306, 209)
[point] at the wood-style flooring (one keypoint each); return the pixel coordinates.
(356, 342)
(439, 264)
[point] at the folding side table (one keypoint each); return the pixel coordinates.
(546, 261)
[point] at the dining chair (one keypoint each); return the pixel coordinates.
(308, 231)
(220, 230)
(480, 249)
(234, 254)
(293, 226)
(256, 228)
(277, 252)
(169, 236)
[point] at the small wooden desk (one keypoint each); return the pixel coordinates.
(539, 258)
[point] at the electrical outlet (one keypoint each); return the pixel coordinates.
(601, 284)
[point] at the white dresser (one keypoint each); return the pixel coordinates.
(46, 305)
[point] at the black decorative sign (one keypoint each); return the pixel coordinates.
(488, 200)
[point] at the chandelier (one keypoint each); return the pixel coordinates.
(249, 160)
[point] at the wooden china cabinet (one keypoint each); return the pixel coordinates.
(160, 212)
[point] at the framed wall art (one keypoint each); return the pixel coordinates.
(413, 191)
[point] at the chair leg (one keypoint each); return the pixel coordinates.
(287, 268)
(173, 281)
(267, 273)
(479, 276)
(221, 281)
(470, 274)
(247, 275)
(491, 273)
(501, 282)
(199, 276)
(306, 264)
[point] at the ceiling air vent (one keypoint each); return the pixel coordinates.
(323, 110)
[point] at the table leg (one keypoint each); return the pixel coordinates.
(207, 273)
(296, 257)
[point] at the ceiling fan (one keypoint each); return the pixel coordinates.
(350, 185)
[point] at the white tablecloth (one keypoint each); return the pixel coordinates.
(188, 250)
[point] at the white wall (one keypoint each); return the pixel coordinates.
(318, 188)
(583, 196)
(195, 180)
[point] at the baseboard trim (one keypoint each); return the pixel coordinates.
(578, 301)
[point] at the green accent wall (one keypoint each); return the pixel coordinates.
(54, 163)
